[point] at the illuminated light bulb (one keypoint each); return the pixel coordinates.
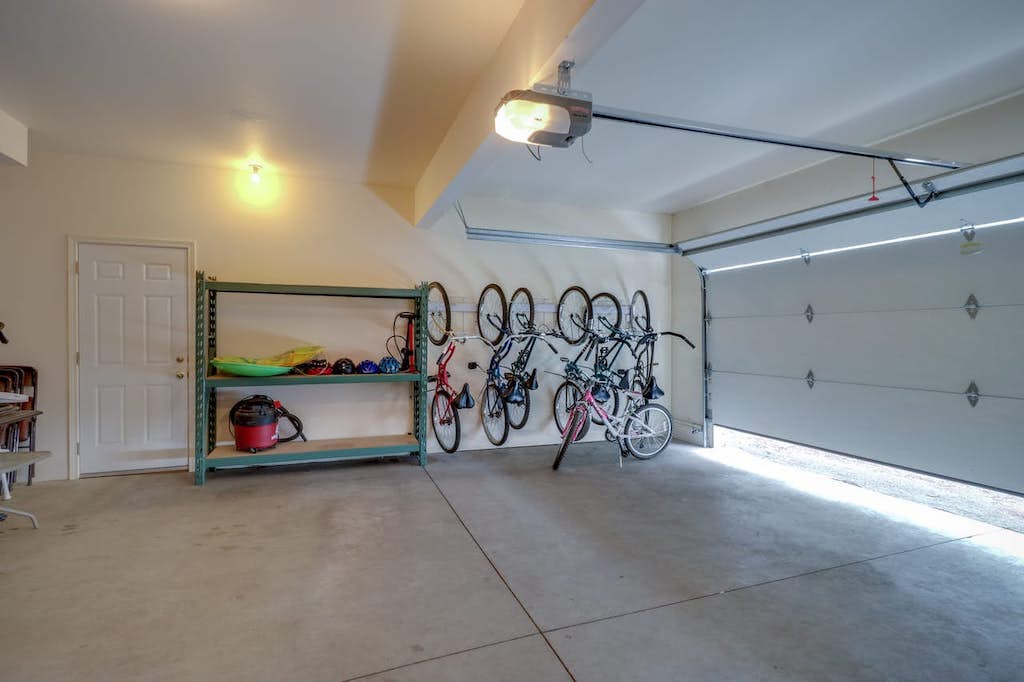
(255, 176)
(518, 119)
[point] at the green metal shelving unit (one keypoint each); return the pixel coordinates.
(208, 455)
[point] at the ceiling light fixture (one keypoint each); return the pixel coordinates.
(254, 176)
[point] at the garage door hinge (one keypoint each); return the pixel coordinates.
(972, 394)
(809, 313)
(971, 306)
(809, 379)
(805, 254)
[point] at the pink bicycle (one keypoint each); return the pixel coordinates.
(642, 430)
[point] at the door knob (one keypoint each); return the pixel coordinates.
(180, 375)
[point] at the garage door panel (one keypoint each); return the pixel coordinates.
(930, 349)
(999, 203)
(925, 431)
(922, 274)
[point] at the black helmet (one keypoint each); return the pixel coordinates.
(344, 366)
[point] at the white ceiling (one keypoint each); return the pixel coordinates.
(853, 72)
(365, 90)
(362, 90)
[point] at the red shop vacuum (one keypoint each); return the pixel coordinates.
(255, 423)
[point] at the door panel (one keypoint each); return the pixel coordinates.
(933, 432)
(133, 410)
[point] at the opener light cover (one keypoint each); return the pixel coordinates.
(540, 118)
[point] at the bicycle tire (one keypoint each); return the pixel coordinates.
(605, 299)
(631, 441)
(521, 411)
(640, 312)
(438, 326)
(567, 438)
(443, 400)
(486, 327)
(493, 411)
(567, 395)
(514, 322)
(571, 330)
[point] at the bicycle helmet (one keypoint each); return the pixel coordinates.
(368, 367)
(344, 366)
(314, 367)
(389, 365)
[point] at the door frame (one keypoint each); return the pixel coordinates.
(73, 242)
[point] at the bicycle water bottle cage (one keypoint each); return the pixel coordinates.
(601, 394)
(653, 391)
(465, 399)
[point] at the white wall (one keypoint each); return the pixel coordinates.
(984, 134)
(316, 232)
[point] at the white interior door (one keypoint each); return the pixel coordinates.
(133, 350)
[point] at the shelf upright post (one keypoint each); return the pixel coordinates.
(421, 366)
(211, 352)
(199, 366)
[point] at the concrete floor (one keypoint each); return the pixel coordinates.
(489, 566)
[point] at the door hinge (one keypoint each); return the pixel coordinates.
(78, 358)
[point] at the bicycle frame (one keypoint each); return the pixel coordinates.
(442, 382)
(611, 422)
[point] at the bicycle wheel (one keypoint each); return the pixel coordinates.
(494, 415)
(648, 431)
(576, 418)
(445, 418)
(574, 314)
(519, 413)
(640, 312)
(439, 314)
(567, 395)
(607, 312)
(492, 313)
(644, 368)
(520, 311)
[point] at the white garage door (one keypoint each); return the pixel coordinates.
(871, 351)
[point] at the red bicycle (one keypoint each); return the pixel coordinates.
(445, 406)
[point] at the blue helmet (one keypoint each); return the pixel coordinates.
(389, 365)
(368, 367)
